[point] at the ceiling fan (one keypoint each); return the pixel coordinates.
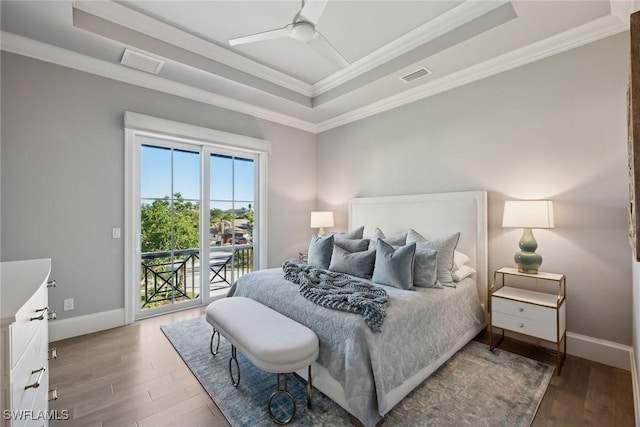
(303, 28)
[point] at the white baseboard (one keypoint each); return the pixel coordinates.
(81, 325)
(599, 350)
(594, 349)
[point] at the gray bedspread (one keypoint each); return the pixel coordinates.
(420, 326)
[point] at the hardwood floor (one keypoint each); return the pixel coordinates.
(132, 377)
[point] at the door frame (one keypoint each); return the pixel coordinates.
(136, 124)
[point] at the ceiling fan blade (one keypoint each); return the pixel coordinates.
(266, 35)
(312, 11)
(322, 45)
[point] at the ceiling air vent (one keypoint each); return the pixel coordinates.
(416, 75)
(142, 62)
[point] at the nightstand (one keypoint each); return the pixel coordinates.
(536, 313)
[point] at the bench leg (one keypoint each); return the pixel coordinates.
(282, 390)
(309, 388)
(213, 335)
(234, 358)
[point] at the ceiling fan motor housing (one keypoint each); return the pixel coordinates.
(303, 31)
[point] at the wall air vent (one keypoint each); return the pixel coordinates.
(415, 75)
(141, 62)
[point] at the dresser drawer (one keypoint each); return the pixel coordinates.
(534, 328)
(23, 329)
(523, 310)
(27, 372)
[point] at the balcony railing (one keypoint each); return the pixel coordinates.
(168, 277)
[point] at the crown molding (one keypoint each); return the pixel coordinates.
(129, 18)
(48, 53)
(587, 33)
(590, 32)
(442, 24)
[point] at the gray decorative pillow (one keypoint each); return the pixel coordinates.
(353, 234)
(320, 249)
(414, 236)
(425, 267)
(399, 239)
(352, 245)
(359, 264)
(444, 259)
(394, 267)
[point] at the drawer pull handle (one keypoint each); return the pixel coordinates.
(521, 309)
(53, 353)
(36, 384)
(53, 394)
(522, 325)
(52, 316)
(52, 283)
(41, 317)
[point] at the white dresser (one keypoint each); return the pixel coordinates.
(24, 336)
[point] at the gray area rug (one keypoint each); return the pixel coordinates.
(475, 387)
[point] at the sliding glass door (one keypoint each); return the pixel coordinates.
(232, 207)
(196, 224)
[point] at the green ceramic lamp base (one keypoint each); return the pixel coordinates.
(528, 260)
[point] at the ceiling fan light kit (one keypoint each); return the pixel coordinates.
(303, 28)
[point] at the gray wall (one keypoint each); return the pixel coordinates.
(62, 175)
(552, 129)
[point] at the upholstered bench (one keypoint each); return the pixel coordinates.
(270, 340)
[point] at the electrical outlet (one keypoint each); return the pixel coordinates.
(115, 233)
(68, 304)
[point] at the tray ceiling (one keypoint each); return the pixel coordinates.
(288, 81)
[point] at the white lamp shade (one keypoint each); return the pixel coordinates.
(528, 214)
(321, 219)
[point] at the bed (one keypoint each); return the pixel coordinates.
(366, 372)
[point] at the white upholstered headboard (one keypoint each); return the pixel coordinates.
(432, 215)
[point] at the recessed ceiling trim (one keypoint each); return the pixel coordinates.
(419, 54)
(590, 32)
(126, 17)
(595, 30)
(448, 21)
(53, 54)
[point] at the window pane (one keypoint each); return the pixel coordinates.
(186, 220)
(243, 182)
(155, 172)
(243, 223)
(186, 174)
(221, 223)
(221, 177)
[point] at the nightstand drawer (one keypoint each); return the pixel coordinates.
(544, 330)
(523, 310)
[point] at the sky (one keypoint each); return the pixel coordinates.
(156, 168)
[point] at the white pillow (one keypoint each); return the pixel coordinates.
(459, 259)
(463, 272)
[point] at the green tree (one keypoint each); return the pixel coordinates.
(156, 220)
(215, 215)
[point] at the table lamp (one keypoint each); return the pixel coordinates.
(321, 220)
(528, 214)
